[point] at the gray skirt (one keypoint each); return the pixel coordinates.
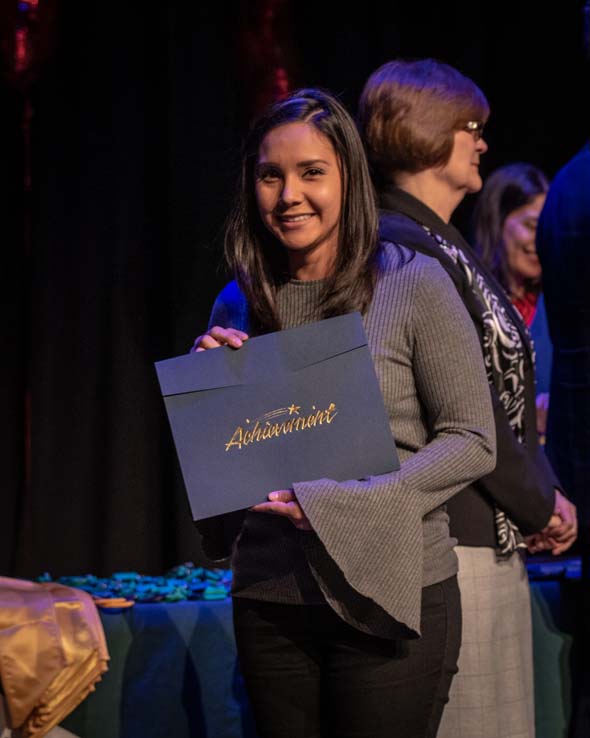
(492, 696)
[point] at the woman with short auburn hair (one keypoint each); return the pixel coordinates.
(414, 112)
(422, 122)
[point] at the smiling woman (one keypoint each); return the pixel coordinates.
(299, 190)
(505, 226)
(346, 605)
(520, 228)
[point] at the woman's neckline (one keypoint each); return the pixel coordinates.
(305, 282)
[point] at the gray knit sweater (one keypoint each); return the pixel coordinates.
(377, 542)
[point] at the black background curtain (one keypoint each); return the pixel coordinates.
(138, 116)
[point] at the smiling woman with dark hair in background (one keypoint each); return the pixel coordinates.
(334, 581)
(505, 226)
(423, 123)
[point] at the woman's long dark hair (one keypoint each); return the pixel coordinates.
(259, 262)
(506, 189)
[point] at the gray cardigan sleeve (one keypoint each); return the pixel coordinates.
(372, 528)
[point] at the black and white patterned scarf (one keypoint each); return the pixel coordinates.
(504, 359)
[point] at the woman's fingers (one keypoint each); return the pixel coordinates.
(557, 537)
(537, 543)
(567, 532)
(282, 495)
(554, 522)
(283, 502)
(562, 548)
(205, 342)
(218, 336)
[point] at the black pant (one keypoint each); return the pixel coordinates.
(309, 674)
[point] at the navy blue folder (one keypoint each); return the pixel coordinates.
(291, 406)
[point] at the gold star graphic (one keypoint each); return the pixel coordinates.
(294, 409)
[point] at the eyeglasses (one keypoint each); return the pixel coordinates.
(475, 128)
